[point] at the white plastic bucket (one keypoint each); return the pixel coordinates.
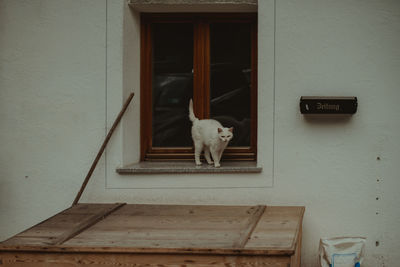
(341, 252)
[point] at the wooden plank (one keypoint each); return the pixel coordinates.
(170, 223)
(177, 244)
(40, 234)
(87, 208)
(171, 227)
(278, 228)
(61, 226)
(89, 221)
(35, 226)
(187, 210)
(145, 250)
(245, 234)
(148, 260)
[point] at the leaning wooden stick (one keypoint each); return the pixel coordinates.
(102, 148)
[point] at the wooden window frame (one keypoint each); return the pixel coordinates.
(201, 82)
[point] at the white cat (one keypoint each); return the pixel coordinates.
(210, 135)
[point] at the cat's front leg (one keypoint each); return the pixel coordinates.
(220, 154)
(215, 154)
(198, 147)
(207, 155)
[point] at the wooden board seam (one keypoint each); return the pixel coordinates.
(82, 226)
(30, 228)
(253, 221)
(159, 251)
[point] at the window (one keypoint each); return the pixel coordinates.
(211, 58)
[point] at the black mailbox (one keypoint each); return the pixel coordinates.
(328, 104)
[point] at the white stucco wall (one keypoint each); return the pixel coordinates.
(65, 67)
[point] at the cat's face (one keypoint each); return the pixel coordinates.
(225, 134)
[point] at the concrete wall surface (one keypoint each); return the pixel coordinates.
(66, 67)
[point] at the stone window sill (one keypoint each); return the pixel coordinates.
(176, 167)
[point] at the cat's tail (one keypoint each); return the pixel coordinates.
(192, 117)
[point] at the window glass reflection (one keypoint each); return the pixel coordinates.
(172, 84)
(230, 76)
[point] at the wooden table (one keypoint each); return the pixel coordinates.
(160, 235)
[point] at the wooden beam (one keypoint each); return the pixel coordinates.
(102, 148)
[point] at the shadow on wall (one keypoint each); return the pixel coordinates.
(327, 119)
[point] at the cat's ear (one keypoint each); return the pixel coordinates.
(219, 130)
(231, 129)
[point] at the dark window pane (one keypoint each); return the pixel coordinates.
(172, 84)
(230, 60)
